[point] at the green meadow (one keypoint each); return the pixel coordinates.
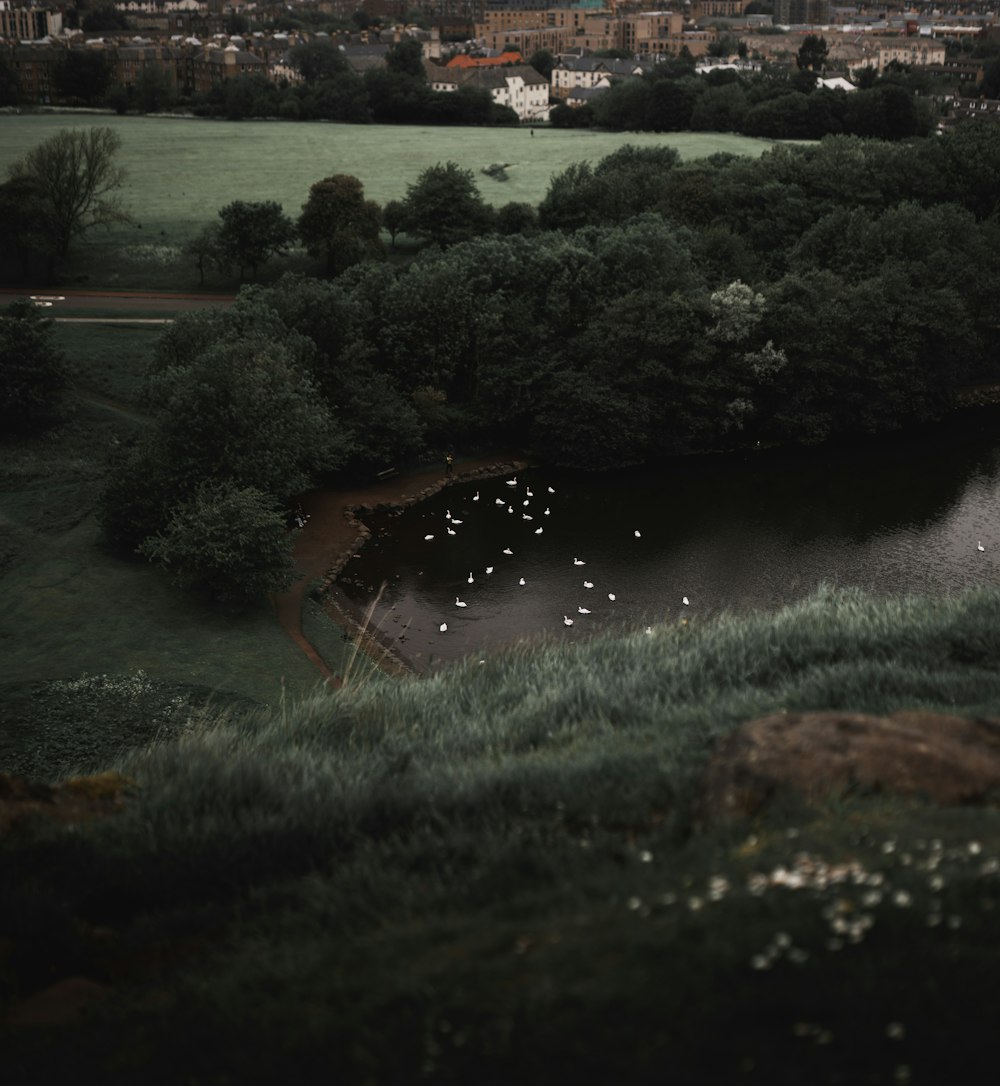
(180, 171)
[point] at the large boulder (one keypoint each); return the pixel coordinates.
(944, 759)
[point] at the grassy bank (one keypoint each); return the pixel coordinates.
(483, 875)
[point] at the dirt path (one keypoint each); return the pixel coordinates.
(330, 535)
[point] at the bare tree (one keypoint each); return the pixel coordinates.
(77, 174)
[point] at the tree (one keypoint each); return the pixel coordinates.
(394, 218)
(670, 104)
(226, 540)
(543, 62)
(9, 93)
(444, 205)
(104, 17)
(406, 58)
(25, 230)
(252, 232)
(317, 60)
(339, 223)
(154, 89)
(812, 53)
(32, 370)
(78, 177)
(82, 76)
(517, 218)
(246, 410)
(203, 249)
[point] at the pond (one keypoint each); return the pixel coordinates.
(530, 554)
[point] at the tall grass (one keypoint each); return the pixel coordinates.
(469, 876)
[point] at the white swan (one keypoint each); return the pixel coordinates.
(578, 562)
(460, 603)
(583, 610)
(567, 621)
(443, 627)
(588, 584)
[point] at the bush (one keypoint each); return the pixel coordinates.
(226, 540)
(32, 371)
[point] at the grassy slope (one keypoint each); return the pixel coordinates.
(71, 608)
(468, 877)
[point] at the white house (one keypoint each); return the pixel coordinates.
(516, 85)
(576, 73)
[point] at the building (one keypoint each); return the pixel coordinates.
(518, 86)
(33, 64)
(29, 23)
(464, 60)
(802, 12)
(211, 66)
(584, 73)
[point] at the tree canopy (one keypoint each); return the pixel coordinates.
(338, 223)
(445, 206)
(251, 232)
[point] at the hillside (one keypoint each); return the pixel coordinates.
(511, 868)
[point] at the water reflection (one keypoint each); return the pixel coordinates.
(755, 531)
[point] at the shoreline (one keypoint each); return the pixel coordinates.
(335, 531)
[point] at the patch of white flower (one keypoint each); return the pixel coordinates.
(159, 256)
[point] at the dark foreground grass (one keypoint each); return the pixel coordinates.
(498, 871)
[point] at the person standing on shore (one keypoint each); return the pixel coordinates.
(449, 461)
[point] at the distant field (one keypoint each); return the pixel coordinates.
(182, 170)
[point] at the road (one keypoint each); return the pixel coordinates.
(121, 302)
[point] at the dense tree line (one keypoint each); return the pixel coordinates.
(651, 308)
(330, 90)
(773, 103)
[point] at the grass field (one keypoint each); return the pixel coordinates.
(182, 170)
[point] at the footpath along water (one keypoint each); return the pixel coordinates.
(565, 554)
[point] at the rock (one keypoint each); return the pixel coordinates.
(75, 800)
(946, 759)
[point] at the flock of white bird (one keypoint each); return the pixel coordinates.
(508, 505)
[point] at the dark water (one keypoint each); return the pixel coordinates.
(729, 533)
